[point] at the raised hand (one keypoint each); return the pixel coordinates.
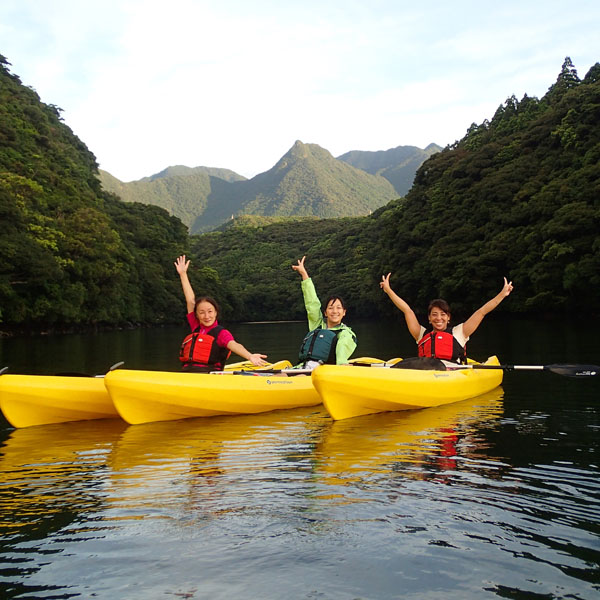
(181, 264)
(300, 268)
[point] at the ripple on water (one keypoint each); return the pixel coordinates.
(293, 505)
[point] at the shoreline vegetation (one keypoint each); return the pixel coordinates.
(517, 196)
(12, 332)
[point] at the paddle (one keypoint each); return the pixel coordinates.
(3, 370)
(559, 369)
(565, 370)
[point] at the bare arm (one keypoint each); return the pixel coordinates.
(182, 266)
(255, 359)
(473, 322)
(301, 268)
(409, 316)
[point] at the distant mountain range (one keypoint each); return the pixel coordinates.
(307, 181)
(398, 165)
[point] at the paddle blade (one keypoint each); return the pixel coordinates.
(574, 370)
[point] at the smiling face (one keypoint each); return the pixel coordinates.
(439, 319)
(334, 312)
(206, 313)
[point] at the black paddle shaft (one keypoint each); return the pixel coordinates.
(565, 370)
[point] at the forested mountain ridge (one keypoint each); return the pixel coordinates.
(309, 181)
(72, 255)
(398, 165)
(185, 192)
(183, 171)
(306, 181)
(518, 196)
(182, 195)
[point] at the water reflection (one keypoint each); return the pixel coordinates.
(50, 475)
(209, 463)
(416, 444)
(491, 497)
(259, 505)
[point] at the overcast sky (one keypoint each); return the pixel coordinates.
(223, 83)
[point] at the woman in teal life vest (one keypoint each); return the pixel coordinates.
(328, 340)
(441, 341)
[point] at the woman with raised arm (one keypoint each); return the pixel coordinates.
(209, 345)
(439, 341)
(328, 340)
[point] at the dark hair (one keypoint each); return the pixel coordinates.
(208, 299)
(439, 303)
(333, 298)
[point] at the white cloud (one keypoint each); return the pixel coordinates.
(147, 84)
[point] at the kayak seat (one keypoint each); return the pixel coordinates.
(420, 363)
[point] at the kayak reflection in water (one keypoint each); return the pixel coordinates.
(439, 342)
(328, 340)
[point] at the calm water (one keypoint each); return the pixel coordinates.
(498, 496)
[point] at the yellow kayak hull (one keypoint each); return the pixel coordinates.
(147, 396)
(350, 391)
(28, 400)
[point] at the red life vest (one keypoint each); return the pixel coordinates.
(441, 344)
(201, 350)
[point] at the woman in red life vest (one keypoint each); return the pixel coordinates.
(441, 342)
(202, 351)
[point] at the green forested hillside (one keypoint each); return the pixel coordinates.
(183, 171)
(518, 196)
(184, 196)
(185, 192)
(72, 255)
(245, 221)
(398, 165)
(306, 181)
(254, 263)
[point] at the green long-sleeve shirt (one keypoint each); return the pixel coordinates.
(346, 343)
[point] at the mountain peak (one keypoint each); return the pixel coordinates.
(432, 148)
(300, 150)
(306, 181)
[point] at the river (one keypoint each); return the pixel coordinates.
(498, 496)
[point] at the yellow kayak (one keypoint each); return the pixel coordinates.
(146, 396)
(28, 400)
(350, 391)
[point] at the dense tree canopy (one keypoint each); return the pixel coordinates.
(518, 196)
(70, 254)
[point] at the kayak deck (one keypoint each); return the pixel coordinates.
(350, 391)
